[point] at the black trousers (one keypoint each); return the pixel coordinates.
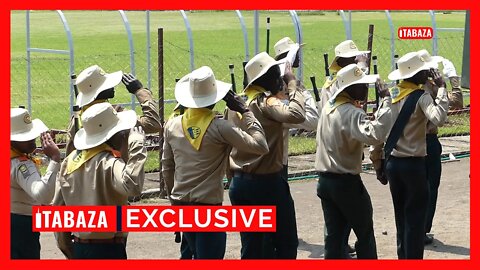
(24, 244)
(433, 162)
(202, 245)
(409, 189)
(271, 189)
(99, 251)
(346, 204)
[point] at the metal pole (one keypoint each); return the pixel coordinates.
(299, 37)
(190, 39)
(392, 39)
(29, 76)
(132, 50)
(149, 68)
(161, 106)
(348, 32)
(435, 36)
(71, 54)
(245, 34)
(256, 30)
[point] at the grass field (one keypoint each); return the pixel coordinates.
(99, 37)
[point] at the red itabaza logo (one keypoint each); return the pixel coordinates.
(154, 218)
(415, 33)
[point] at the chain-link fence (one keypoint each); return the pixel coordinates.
(216, 45)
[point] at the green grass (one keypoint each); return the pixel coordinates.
(99, 38)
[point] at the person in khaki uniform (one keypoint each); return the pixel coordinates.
(96, 86)
(196, 148)
(433, 159)
(346, 53)
(27, 186)
(96, 174)
(257, 180)
(343, 130)
(406, 167)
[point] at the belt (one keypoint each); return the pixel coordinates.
(252, 176)
(115, 240)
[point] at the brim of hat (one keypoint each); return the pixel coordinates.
(184, 98)
(82, 141)
(396, 75)
(38, 127)
(113, 79)
(264, 70)
(287, 50)
(366, 79)
(335, 67)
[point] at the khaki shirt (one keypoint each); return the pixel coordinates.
(103, 180)
(149, 121)
(272, 114)
(310, 123)
(197, 176)
(342, 134)
(412, 142)
(327, 92)
(28, 187)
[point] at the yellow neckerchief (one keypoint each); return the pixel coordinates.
(85, 107)
(403, 89)
(78, 157)
(252, 92)
(195, 122)
(342, 98)
(330, 80)
(24, 157)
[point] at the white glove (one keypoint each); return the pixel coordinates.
(448, 68)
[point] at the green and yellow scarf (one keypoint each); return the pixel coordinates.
(403, 89)
(78, 157)
(195, 122)
(342, 98)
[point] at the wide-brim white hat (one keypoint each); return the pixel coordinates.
(285, 45)
(22, 127)
(200, 89)
(258, 66)
(345, 49)
(413, 62)
(94, 80)
(100, 122)
(350, 75)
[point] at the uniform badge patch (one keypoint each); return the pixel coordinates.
(27, 119)
(24, 170)
(194, 132)
(394, 92)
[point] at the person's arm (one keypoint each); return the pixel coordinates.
(129, 177)
(294, 113)
(435, 111)
(40, 188)
(311, 114)
(70, 135)
(168, 163)
(251, 141)
(150, 120)
(372, 132)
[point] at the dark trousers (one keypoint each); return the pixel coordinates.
(202, 245)
(99, 251)
(185, 252)
(346, 204)
(409, 189)
(271, 189)
(433, 162)
(24, 244)
(206, 245)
